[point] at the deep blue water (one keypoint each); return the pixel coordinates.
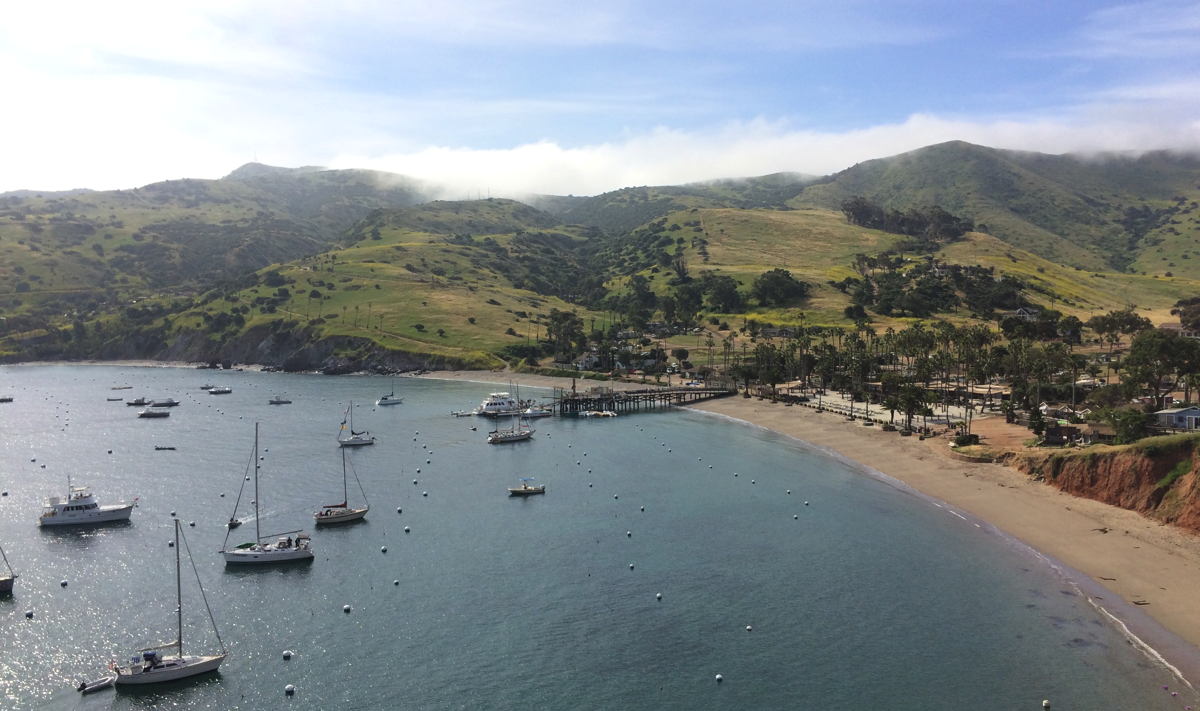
(868, 597)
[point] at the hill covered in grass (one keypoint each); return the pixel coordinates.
(81, 251)
(1113, 213)
(308, 266)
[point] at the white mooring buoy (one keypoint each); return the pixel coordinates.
(719, 678)
(287, 654)
(346, 609)
(289, 690)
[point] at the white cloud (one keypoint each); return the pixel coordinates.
(667, 157)
(1142, 30)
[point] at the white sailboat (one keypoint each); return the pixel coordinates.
(149, 666)
(356, 439)
(6, 578)
(343, 513)
(284, 548)
(391, 398)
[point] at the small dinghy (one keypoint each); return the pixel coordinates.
(87, 687)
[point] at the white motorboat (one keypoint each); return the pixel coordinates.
(284, 548)
(138, 402)
(148, 413)
(500, 405)
(219, 390)
(526, 489)
(7, 576)
(536, 411)
(343, 512)
(355, 439)
(391, 398)
(151, 667)
(79, 506)
(279, 400)
(169, 402)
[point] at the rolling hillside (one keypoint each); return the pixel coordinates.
(78, 251)
(308, 267)
(1136, 214)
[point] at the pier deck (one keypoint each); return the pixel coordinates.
(570, 402)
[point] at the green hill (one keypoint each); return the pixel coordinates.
(310, 267)
(1136, 214)
(85, 250)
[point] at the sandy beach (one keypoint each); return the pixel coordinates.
(1142, 573)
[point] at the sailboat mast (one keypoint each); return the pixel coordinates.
(345, 494)
(257, 532)
(178, 594)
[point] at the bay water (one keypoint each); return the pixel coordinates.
(667, 550)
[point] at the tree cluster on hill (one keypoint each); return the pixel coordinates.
(889, 284)
(1188, 311)
(928, 226)
(689, 296)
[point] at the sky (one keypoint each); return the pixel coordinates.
(508, 97)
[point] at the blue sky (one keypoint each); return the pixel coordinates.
(516, 96)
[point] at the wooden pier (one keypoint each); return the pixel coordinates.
(602, 399)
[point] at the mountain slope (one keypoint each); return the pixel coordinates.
(1104, 213)
(79, 250)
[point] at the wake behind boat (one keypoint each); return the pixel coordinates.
(80, 507)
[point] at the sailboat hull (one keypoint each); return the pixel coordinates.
(171, 669)
(250, 556)
(331, 516)
(356, 442)
(6, 585)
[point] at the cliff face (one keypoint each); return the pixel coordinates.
(1157, 480)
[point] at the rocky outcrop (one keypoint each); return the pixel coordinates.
(1157, 477)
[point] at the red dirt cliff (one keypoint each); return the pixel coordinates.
(1157, 477)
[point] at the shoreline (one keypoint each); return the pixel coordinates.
(1112, 556)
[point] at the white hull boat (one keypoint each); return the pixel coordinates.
(169, 669)
(342, 513)
(79, 507)
(285, 548)
(356, 439)
(8, 578)
(150, 667)
(390, 399)
(278, 552)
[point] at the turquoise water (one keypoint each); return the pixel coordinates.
(868, 597)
